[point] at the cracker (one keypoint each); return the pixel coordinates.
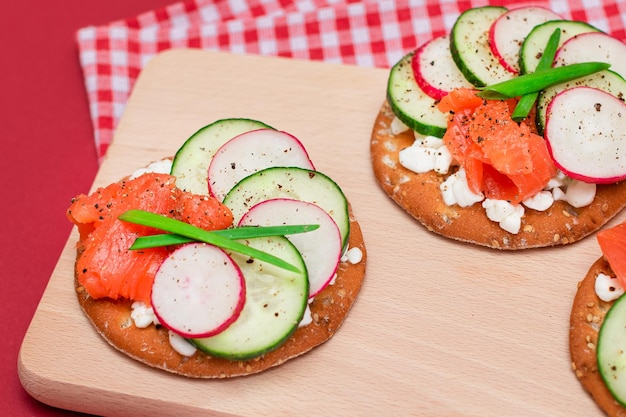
(587, 314)
(111, 319)
(419, 195)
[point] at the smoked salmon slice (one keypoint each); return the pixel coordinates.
(503, 159)
(612, 242)
(105, 266)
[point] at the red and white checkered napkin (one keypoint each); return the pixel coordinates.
(374, 33)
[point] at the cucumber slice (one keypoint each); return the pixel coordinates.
(191, 161)
(533, 45)
(295, 183)
(607, 80)
(321, 249)
(411, 104)
(276, 300)
(611, 354)
(469, 45)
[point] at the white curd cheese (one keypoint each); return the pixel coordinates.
(397, 126)
(418, 158)
(513, 222)
(163, 166)
(574, 192)
(180, 345)
(142, 315)
(426, 154)
(353, 256)
(307, 318)
(333, 279)
(507, 215)
(455, 190)
(608, 288)
(558, 194)
(497, 210)
(557, 181)
(443, 161)
(562, 188)
(580, 194)
(541, 201)
(428, 141)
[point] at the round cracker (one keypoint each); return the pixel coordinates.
(587, 314)
(151, 346)
(420, 196)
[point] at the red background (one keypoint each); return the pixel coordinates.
(47, 155)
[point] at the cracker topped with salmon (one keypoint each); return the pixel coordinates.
(507, 156)
(596, 334)
(232, 257)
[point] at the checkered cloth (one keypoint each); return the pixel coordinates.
(370, 33)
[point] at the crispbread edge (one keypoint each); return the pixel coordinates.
(586, 317)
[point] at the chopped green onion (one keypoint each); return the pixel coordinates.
(154, 241)
(244, 232)
(197, 234)
(538, 80)
(527, 101)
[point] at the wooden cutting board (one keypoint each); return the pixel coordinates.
(439, 328)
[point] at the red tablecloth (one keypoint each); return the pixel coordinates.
(46, 155)
(368, 33)
(67, 72)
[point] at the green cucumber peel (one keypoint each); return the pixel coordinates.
(539, 80)
(527, 101)
(221, 239)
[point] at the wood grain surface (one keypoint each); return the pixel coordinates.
(440, 328)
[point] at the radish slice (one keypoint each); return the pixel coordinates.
(250, 152)
(507, 33)
(606, 80)
(320, 248)
(434, 69)
(593, 46)
(275, 304)
(586, 134)
(198, 291)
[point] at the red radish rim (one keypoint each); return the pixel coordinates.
(228, 143)
(558, 58)
(329, 274)
(567, 170)
(426, 87)
(492, 35)
(494, 48)
(222, 325)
